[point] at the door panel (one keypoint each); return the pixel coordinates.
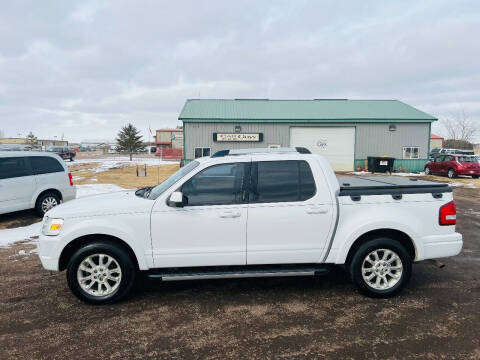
(199, 236)
(16, 184)
(211, 228)
(287, 230)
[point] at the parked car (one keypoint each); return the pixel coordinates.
(301, 221)
(453, 165)
(33, 180)
(64, 152)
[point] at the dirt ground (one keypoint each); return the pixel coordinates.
(436, 317)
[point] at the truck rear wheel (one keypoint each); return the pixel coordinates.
(101, 273)
(381, 267)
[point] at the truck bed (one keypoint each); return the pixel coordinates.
(388, 185)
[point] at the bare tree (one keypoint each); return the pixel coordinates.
(461, 127)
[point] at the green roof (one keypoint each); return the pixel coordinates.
(319, 110)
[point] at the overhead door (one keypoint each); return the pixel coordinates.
(336, 144)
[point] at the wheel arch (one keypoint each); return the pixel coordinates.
(76, 244)
(393, 234)
(51, 190)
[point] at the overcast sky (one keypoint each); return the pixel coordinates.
(85, 68)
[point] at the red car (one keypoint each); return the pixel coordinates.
(453, 165)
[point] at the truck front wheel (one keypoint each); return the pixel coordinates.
(101, 273)
(381, 267)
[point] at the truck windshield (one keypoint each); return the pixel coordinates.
(160, 188)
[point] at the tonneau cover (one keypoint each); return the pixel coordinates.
(385, 185)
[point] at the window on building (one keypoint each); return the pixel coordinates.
(281, 181)
(411, 152)
(13, 167)
(45, 165)
(216, 185)
(201, 151)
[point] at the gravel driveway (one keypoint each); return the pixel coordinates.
(437, 316)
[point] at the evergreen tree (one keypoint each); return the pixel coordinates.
(31, 139)
(129, 140)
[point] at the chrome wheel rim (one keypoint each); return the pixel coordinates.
(99, 275)
(427, 171)
(382, 269)
(450, 174)
(48, 203)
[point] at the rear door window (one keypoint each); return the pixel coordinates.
(45, 165)
(12, 167)
(281, 181)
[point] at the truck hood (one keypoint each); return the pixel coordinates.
(103, 204)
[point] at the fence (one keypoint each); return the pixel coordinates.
(170, 154)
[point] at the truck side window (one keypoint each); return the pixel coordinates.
(45, 165)
(281, 181)
(216, 185)
(12, 167)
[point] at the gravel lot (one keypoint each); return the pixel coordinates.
(436, 317)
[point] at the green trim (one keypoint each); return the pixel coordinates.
(188, 120)
(412, 165)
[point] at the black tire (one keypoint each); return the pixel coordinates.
(355, 267)
(49, 197)
(474, 176)
(127, 267)
(428, 171)
(451, 174)
(71, 158)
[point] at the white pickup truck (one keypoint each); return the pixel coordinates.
(249, 213)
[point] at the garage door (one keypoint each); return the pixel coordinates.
(336, 144)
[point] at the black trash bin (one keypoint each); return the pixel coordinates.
(380, 164)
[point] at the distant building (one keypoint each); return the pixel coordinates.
(93, 144)
(345, 132)
(39, 142)
(169, 144)
(436, 141)
(169, 138)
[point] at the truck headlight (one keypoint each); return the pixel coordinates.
(52, 226)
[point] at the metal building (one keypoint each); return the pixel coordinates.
(344, 131)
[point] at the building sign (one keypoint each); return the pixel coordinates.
(254, 137)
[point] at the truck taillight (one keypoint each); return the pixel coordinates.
(70, 178)
(448, 214)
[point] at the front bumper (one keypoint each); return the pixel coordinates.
(468, 172)
(438, 246)
(70, 193)
(49, 251)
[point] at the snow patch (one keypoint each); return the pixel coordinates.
(105, 164)
(409, 174)
(10, 236)
(95, 189)
(394, 173)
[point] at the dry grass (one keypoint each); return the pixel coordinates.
(125, 176)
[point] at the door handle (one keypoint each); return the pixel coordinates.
(317, 210)
(229, 214)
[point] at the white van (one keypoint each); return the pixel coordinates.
(36, 180)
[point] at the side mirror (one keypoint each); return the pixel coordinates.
(176, 199)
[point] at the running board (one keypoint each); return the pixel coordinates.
(237, 272)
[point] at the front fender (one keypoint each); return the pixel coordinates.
(137, 237)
